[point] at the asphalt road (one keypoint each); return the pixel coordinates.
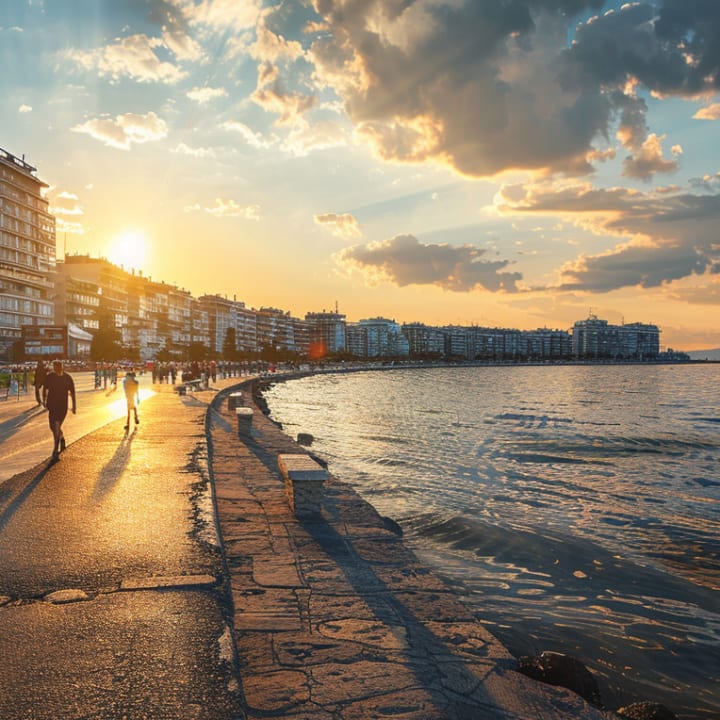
(113, 598)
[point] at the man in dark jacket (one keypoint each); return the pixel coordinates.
(56, 388)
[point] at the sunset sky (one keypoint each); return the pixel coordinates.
(514, 163)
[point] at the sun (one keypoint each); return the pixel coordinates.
(128, 250)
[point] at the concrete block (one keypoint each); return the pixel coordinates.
(304, 480)
(244, 417)
(235, 400)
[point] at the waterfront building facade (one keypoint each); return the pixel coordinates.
(424, 341)
(275, 330)
(327, 332)
(27, 251)
(596, 339)
(376, 338)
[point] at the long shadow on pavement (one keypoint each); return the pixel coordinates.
(113, 469)
(446, 688)
(17, 490)
(12, 425)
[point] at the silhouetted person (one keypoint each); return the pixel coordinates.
(56, 388)
(39, 380)
(132, 394)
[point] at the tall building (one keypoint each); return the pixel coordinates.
(424, 341)
(27, 251)
(275, 330)
(94, 294)
(327, 332)
(594, 339)
(375, 338)
(230, 315)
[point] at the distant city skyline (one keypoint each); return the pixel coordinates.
(336, 306)
(451, 162)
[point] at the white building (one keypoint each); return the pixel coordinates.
(27, 251)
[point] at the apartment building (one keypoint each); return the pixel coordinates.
(230, 316)
(424, 341)
(327, 332)
(376, 338)
(27, 251)
(595, 339)
(275, 330)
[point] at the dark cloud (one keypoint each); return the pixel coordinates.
(673, 236)
(670, 47)
(487, 86)
(406, 261)
(634, 265)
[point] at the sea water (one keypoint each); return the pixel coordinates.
(575, 508)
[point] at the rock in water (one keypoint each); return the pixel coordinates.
(646, 711)
(557, 669)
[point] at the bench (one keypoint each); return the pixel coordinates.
(190, 385)
(235, 400)
(304, 479)
(244, 418)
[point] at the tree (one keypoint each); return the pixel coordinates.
(197, 352)
(106, 345)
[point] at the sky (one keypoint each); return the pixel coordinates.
(502, 163)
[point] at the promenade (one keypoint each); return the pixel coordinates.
(162, 574)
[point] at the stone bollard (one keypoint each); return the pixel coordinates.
(235, 400)
(244, 417)
(304, 479)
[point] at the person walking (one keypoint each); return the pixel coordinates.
(38, 380)
(57, 386)
(131, 386)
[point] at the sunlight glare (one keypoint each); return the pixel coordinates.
(128, 250)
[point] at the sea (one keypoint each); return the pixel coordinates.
(574, 508)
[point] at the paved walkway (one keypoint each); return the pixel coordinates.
(336, 619)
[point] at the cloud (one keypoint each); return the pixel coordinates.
(125, 130)
(63, 226)
(203, 95)
(25, 109)
(222, 15)
(183, 149)
(403, 261)
(705, 294)
(712, 112)
(633, 265)
(133, 57)
(273, 96)
(669, 50)
(487, 87)
(649, 160)
(228, 208)
(344, 225)
(252, 138)
(671, 235)
(270, 46)
(709, 183)
(307, 136)
(66, 203)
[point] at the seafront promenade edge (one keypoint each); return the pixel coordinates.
(334, 617)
